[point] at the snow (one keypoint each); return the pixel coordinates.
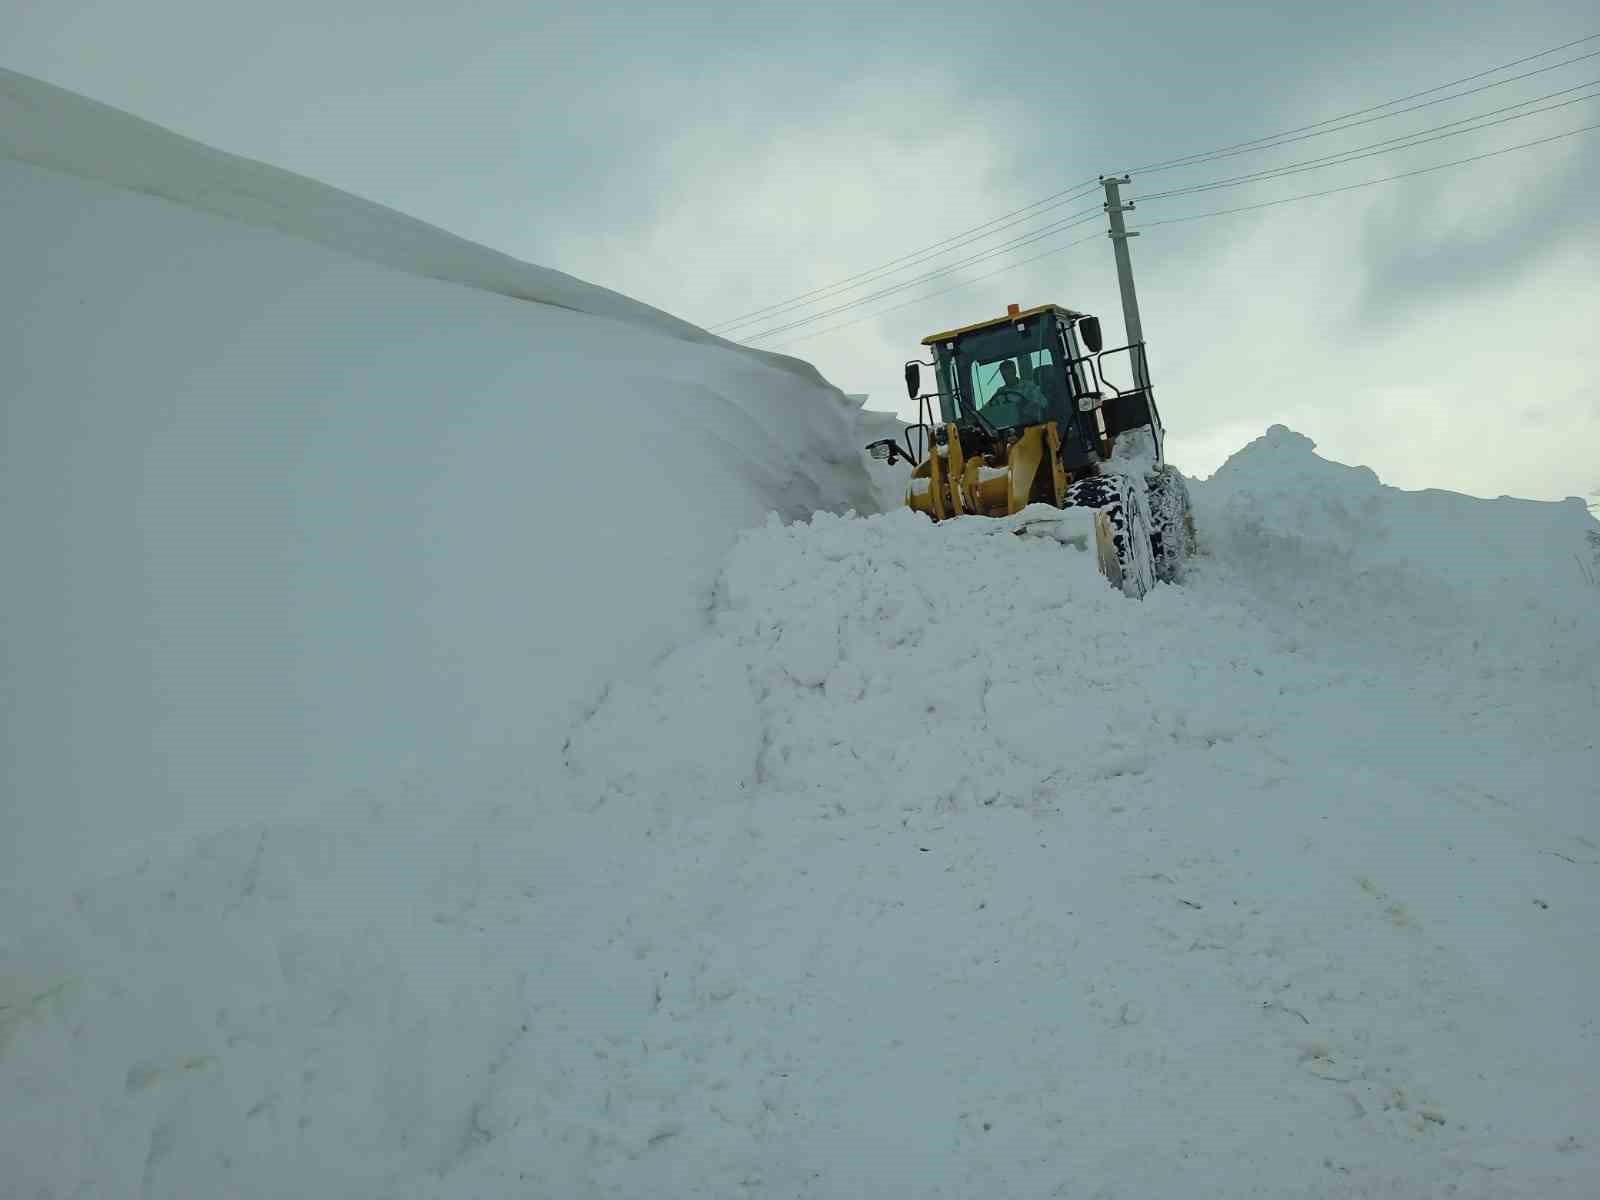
(933, 866)
(1134, 451)
(280, 523)
(51, 127)
(1069, 526)
(397, 804)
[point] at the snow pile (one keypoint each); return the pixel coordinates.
(1277, 497)
(58, 129)
(932, 867)
(1481, 603)
(1023, 887)
(279, 523)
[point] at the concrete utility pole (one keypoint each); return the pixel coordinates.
(1119, 236)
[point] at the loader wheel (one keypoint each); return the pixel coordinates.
(1172, 537)
(1122, 530)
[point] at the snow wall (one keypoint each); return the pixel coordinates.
(1289, 893)
(300, 494)
(55, 128)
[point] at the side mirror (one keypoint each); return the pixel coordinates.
(1089, 331)
(913, 379)
(885, 450)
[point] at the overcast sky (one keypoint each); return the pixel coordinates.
(1441, 330)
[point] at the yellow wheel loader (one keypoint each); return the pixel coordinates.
(1028, 417)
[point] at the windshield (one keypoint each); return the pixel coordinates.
(1009, 376)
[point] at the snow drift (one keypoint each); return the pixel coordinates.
(932, 866)
(279, 522)
(68, 133)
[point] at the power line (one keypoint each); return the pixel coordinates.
(1243, 147)
(966, 283)
(1065, 223)
(1078, 218)
(1195, 217)
(916, 258)
(1412, 140)
(1058, 199)
(1350, 187)
(1415, 107)
(1054, 200)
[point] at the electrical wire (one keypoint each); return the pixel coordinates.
(1193, 217)
(1387, 146)
(966, 283)
(1245, 147)
(1350, 187)
(933, 250)
(1059, 199)
(1088, 214)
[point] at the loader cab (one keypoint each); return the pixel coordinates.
(1034, 366)
(1023, 369)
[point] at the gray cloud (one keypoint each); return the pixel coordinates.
(1414, 256)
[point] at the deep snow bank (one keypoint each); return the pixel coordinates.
(931, 866)
(55, 128)
(1277, 496)
(278, 522)
(1481, 599)
(1275, 884)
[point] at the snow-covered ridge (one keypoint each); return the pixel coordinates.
(1521, 548)
(55, 128)
(1361, 558)
(931, 865)
(278, 522)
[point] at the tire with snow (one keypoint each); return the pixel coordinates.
(1172, 539)
(1122, 529)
